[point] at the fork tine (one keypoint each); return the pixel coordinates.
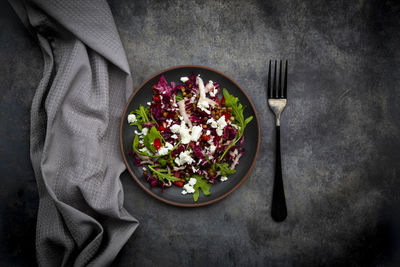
(274, 91)
(280, 81)
(269, 91)
(285, 82)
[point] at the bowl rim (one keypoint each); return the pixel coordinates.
(140, 87)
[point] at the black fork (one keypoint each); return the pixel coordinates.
(277, 98)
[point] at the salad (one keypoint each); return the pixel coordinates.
(187, 137)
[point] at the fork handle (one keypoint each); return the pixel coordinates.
(278, 209)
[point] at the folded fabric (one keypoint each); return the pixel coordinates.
(74, 132)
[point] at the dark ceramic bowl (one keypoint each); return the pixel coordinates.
(173, 195)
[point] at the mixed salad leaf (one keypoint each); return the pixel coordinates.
(187, 136)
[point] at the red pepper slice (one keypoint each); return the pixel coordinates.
(217, 100)
(178, 183)
(157, 143)
(223, 100)
(227, 116)
(161, 128)
(205, 137)
(156, 98)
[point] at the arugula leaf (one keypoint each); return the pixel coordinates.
(142, 115)
(135, 145)
(162, 174)
(223, 168)
(148, 140)
(201, 183)
(178, 98)
(237, 110)
(162, 162)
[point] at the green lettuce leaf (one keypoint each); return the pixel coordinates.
(202, 184)
(237, 110)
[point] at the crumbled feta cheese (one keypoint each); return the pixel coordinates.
(174, 136)
(169, 146)
(184, 157)
(221, 123)
(144, 168)
(162, 151)
(211, 157)
(224, 178)
(188, 189)
(203, 105)
(185, 133)
(181, 118)
(212, 122)
(212, 149)
(194, 169)
(136, 132)
(145, 131)
(208, 132)
(149, 103)
(144, 150)
(132, 118)
(196, 133)
(165, 149)
(184, 79)
(214, 92)
(192, 181)
(175, 128)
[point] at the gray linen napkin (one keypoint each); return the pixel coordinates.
(74, 132)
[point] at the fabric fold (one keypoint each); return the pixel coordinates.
(74, 132)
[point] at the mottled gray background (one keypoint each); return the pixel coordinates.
(340, 132)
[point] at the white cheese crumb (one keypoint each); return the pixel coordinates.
(208, 132)
(149, 103)
(212, 149)
(185, 133)
(224, 178)
(175, 128)
(221, 125)
(132, 118)
(184, 79)
(212, 122)
(188, 188)
(145, 131)
(196, 133)
(203, 105)
(144, 168)
(165, 149)
(192, 181)
(174, 136)
(184, 157)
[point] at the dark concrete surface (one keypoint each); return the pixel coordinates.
(340, 132)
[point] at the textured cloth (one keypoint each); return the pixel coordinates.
(74, 132)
